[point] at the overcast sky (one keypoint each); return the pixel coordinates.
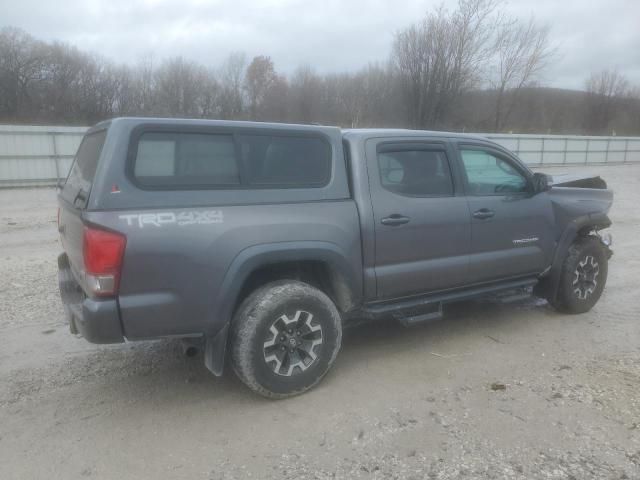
(330, 35)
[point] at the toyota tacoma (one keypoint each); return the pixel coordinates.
(261, 241)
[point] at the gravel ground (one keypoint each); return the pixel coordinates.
(493, 391)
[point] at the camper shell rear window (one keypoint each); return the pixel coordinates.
(83, 169)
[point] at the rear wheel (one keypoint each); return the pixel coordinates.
(583, 276)
(285, 337)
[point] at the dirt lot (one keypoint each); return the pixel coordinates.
(400, 403)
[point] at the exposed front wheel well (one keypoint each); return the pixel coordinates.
(548, 286)
(588, 230)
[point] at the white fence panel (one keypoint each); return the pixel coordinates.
(35, 155)
(570, 149)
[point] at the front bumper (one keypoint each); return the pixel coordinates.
(98, 321)
(607, 241)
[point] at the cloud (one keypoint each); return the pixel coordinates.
(330, 35)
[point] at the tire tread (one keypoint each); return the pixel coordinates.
(563, 300)
(245, 324)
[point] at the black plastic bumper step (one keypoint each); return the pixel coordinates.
(425, 314)
(511, 296)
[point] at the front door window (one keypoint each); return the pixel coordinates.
(488, 174)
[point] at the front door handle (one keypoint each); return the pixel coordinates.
(483, 213)
(395, 219)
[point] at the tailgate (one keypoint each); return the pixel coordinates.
(71, 229)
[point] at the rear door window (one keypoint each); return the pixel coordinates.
(416, 173)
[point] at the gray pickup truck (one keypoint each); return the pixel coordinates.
(262, 240)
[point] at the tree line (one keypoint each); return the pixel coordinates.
(470, 68)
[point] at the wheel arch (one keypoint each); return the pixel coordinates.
(332, 273)
(578, 227)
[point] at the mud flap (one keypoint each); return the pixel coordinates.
(215, 351)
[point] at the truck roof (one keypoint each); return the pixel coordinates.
(349, 133)
(362, 133)
(134, 121)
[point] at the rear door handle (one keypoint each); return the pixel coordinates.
(483, 213)
(395, 219)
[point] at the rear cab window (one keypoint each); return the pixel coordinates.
(81, 175)
(182, 160)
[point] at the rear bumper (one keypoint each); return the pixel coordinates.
(98, 321)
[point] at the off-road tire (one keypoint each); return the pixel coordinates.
(251, 331)
(585, 250)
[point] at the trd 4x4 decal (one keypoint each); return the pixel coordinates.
(160, 219)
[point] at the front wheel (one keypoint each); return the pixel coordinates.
(583, 276)
(285, 337)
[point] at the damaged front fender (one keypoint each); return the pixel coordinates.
(578, 211)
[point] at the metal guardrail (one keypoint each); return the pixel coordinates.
(571, 149)
(35, 155)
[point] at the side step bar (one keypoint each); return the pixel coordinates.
(425, 308)
(409, 318)
(510, 296)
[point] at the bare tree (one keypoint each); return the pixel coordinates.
(341, 99)
(232, 79)
(137, 89)
(210, 95)
(22, 63)
(98, 85)
(634, 109)
(361, 98)
(522, 50)
(143, 87)
(352, 96)
(440, 57)
(431, 80)
(258, 79)
(274, 107)
(65, 64)
(604, 92)
(180, 87)
(306, 95)
(379, 82)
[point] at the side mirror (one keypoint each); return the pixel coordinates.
(540, 182)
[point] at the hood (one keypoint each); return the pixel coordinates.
(577, 181)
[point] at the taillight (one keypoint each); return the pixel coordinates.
(102, 252)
